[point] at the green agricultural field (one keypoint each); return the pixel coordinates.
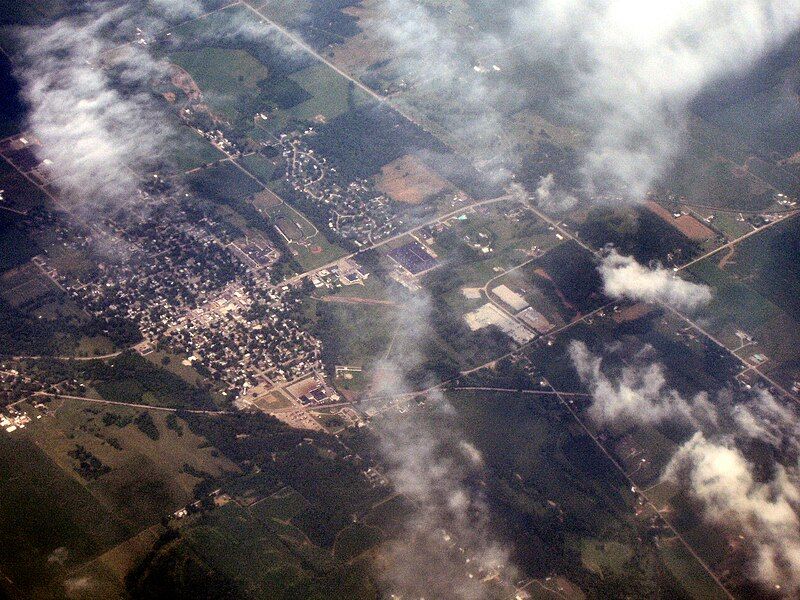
(683, 567)
(737, 305)
(49, 521)
(19, 194)
(332, 95)
(279, 564)
(143, 474)
(251, 488)
(754, 291)
(222, 74)
(26, 13)
(24, 286)
(768, 263)
(389, 514)
(188, 150)
(104, 576)
(355, 540)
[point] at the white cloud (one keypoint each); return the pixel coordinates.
(177, 9)
(550, 197)
(623, 277)
(762, 417)
(723, 480)
(91, 100)
(731, 496)
(636, 66)
(625, 71)
(639, 394)
(429, 461)
(438, 59)
(93, 133)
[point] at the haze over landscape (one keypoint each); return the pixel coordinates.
(394, 299)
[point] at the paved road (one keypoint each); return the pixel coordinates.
(732, 243)
(515, 391)
(134, 405)
(297, 40)
(678, 313)
(79, 358)
(383, 242)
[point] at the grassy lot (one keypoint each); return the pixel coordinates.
(69, 262)
(728, 223)
(605, 557)
(354, 382)
(373, 288)
(188, 150)
(260, 166)
(132, 379)
(319, 253)
(174, 364)
(223, 183)
(283, 505)
(353, 334)
(94, 346)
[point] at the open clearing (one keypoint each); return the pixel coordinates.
(408, 181)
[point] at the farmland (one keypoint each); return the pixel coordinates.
(58, 513)
(536, 476)
(750, 301)
(341, 329)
